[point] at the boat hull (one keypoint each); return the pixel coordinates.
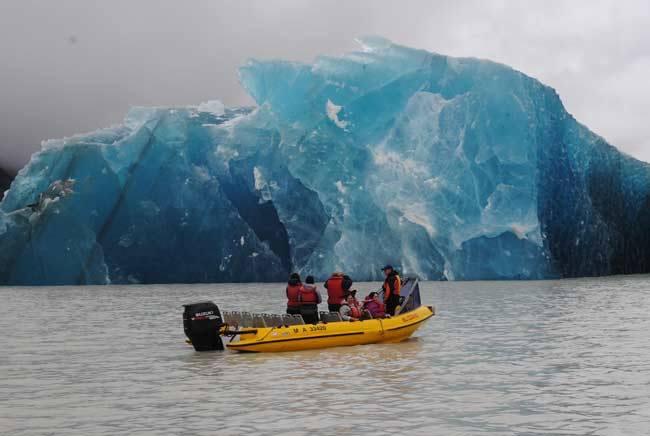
(334, 334)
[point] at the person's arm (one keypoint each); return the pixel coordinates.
(345, 313)
(347, 283)
(398, 285)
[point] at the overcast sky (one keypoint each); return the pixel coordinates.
(70, 66)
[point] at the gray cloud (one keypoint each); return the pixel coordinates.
(70, 66)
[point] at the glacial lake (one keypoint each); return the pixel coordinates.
(528, 358)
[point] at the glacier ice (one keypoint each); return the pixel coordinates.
(450, 168)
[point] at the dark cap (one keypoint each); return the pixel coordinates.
(387, 267)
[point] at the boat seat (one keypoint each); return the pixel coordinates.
(227, 318)
(258, 320)
(292, 319)
(297, 320)
(246, 319)
(232, 318)
(330, 317)
(272, 319)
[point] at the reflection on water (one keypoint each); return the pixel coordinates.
(537, 358)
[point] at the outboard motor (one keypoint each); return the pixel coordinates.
(201, 322)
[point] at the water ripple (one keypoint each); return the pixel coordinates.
(529, 358)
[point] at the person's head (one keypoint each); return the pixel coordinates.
(349, 298)
(294, 277)
(309, 280)
(353, 293)
(374, 296)
(387, 270)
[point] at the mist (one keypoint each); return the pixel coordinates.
(71, 66)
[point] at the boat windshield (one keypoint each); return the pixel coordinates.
(410, 294)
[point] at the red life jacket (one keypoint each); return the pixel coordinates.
(355, 312)
(293, 295)
(308, 295)
(334, 287)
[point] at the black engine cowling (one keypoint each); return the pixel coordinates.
(201, 322)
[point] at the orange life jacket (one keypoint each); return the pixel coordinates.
(334, 287)
(293, 295)
(308, 295)
(355, 312)
(392, 285)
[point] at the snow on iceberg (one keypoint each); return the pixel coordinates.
(333, 114)
(214, 107)
(450, 168)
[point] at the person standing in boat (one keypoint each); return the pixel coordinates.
(309, 300)
(392, 287)
(337, 286)
(294, 287)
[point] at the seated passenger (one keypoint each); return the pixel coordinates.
(294, 287)
(348, 311)
(309, 301)
(374, 305)
(364, 313)
(353, 293)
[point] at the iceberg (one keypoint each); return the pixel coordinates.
(449, 168)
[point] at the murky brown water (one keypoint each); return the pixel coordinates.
(530, 358)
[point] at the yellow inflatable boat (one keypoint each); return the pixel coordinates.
(332, 334)
(204, 326)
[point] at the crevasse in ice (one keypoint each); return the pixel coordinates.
(449, 168)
